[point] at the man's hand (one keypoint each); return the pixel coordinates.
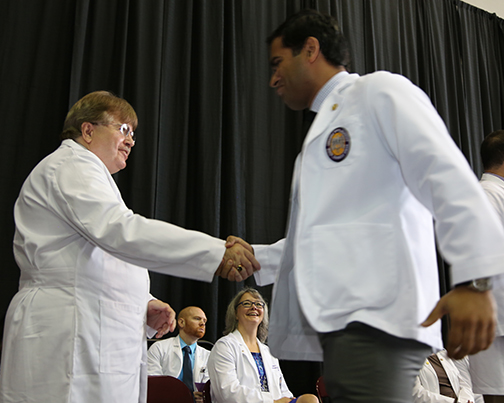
(472, 320)
(198, 397)
(238, 262)
(231, 240)
(160, 316)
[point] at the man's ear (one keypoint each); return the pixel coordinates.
(87, 130)
(181, 323)
(312, 48)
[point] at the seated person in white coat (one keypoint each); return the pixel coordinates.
(241, 367)
(77, 327)
(166, 357)
(487, 367)
(443, 380)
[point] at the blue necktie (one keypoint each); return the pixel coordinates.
(187, 376)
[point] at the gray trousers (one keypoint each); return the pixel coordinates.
(364, 364)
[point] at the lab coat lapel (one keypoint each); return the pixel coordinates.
(246, 353)
(176, 365)
(199, 369)
(330, 109)
(449, 372)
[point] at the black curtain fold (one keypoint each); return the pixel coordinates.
(481, 39)
(216, 147)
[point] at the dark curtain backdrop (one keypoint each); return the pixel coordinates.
(216, 147)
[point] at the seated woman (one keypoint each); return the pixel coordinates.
(241, 367)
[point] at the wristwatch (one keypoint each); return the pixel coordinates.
(479, 284)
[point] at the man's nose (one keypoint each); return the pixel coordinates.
(274, 80)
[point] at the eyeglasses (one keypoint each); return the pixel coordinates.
(124, 128)
(248, 304)
(125, 131)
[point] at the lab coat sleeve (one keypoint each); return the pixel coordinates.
(438, 175)
(90, 203)
(154, 359)
(225, 385)
(423, 395)
(149, 331)
(269, 257)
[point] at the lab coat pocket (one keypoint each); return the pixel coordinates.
(355, 267)
(121, 336)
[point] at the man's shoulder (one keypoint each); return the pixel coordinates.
(228, 340)
(494, 187)
(491, 181)
(165, 343)
(382, 80)
(202, 351)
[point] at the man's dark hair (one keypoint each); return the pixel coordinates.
(492, 150)
(298, 27)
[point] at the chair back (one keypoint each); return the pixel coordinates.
(167, 389)
(205, 344)
(321, 390)
(207, 398)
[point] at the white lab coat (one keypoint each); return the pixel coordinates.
(494, 189)
(487, 367)
(75, 331)
(234, 377)
(165, 357)
(360, 243)
(426, 388)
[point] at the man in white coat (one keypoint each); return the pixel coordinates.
(356, 276)
(166, 357)
(430, 388)
(75, 331)
(487, 367)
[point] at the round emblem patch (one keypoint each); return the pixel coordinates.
(338, 144)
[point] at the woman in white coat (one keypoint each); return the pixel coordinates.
(75, 331)
(241, 367)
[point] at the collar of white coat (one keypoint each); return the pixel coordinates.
(330, 106)
(245, 349)
(326, 89)
(488, 176)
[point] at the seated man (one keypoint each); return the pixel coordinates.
(169, 356)
(442, 379)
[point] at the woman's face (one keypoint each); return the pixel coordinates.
(251, 314)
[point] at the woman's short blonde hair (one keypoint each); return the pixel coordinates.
(232, 321)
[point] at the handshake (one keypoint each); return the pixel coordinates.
(238, 262)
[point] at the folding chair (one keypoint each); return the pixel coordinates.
(206, 393)
(167, 389)
(321, 390)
